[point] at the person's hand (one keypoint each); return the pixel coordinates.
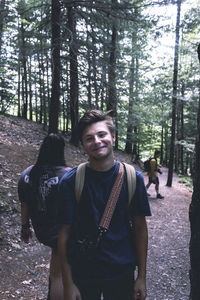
(139, 292)
(72, 293)
(26, 235)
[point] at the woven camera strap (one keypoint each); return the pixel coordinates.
(112, 201)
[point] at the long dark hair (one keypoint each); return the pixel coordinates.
(51, 153)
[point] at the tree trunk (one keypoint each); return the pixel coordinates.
(47, 78)
(74, 90)
(111, 105)
(162, 143)
(89, 90)
(2, 14)
(103, 83)
(166, 143)
(30, 92)
(19, 88)
(55, 92)
(174, 96)
(41, 96)
(45, 98)
(36, 106)
(178, 137)
(194, 215)
(182, 128)
(24, 78)
(135, 152)
(112, 95)
(68, 103)
(94, 66)
(129, 134)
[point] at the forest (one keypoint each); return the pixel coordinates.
(138, 58)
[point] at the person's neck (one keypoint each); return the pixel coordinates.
(101, 165)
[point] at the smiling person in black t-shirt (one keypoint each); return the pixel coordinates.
(110, 272)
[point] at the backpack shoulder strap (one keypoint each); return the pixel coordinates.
(131, 181)
(79, 180)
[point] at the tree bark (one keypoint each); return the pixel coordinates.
(129, 134)
(174, 96)
(94, 66)
(19, 87)
(30, 91)
(74, 89)
(112, 95)
(55, 92)
(24, 77)
(182, 129)
(2, 14)
(41, 96)
(89, 87)
(111, 105)
(194, 215)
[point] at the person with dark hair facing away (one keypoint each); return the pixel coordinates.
(37, 190)
(97, 262)
(153, 173)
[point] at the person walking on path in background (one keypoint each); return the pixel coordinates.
(108, 269)
(37, 190)
(153, 173)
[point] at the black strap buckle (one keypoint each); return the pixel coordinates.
(102, 231)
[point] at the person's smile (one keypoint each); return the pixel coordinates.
(97, 141)
(99, 148)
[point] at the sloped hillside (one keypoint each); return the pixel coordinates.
(19, 144)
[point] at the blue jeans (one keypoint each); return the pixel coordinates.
(118, 289)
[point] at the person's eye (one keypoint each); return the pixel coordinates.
(89, 139)
(102, 134)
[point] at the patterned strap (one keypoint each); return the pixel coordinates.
(112, 201)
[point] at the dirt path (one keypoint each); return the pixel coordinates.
(24, 268)
(169, 234)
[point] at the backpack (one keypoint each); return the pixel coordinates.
(80, 178)
(43, 205)
(147, 165)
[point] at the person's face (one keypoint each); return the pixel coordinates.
(97, 141)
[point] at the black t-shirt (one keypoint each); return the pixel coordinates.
(116, 255)
(41, 199)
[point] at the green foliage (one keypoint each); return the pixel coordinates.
(187, 180)
(143, 75)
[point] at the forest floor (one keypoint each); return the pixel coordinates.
(24, 268)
